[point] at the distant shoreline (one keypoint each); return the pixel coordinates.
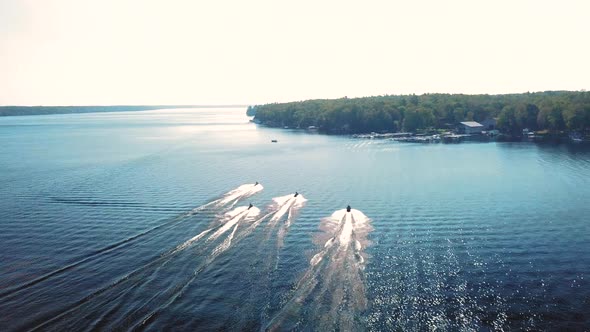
(539, 116)
(46, 110)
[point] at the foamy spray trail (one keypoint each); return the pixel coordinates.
(241, 221)
(232, 216)
(235, 220)
(233, 196)
(232, 220)
(229, 220)
(284, 205)
(281, 213)
(131, 288)
(290, 209)
(243, 191)
(135, 277)
(142, 316)
(333, 287)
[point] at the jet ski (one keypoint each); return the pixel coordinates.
(296, 194)
(250, 206)
(348, 208)
(256, 183)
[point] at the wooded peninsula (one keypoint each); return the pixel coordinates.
(550, 111)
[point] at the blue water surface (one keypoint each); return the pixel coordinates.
(95, 209)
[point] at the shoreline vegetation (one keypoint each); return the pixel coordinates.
(540, 116)
(45, 110)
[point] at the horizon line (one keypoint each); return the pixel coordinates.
(136, 105)
(280, 102)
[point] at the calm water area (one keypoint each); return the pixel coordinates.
(140, 220)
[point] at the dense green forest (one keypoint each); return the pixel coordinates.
(40, 110)
(553, 111)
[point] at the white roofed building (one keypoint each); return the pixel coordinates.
(470, 127)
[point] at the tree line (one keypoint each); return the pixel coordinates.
(552, 110)
(45, 110)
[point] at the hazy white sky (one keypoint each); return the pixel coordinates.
(71, 52)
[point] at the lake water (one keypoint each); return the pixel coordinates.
(140, 220)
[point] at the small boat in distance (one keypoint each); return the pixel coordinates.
(274, 141)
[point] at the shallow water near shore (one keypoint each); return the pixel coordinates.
(140, 220)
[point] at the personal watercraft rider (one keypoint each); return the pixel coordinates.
(348, 208)
(250, 206)
(256, 183)
(296, 194)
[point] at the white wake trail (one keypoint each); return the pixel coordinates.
(234, 216)
(346, 233)
(250, 214)
(191, 241)
(333, 287)
(297, 204)
(243, 191)
(225, 244)
(282, 205)
(123, 286)
(232, 196)
(286, 204)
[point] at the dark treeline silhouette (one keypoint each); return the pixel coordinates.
(553, 111)
(40, 110)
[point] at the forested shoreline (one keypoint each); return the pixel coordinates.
(551, 111)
